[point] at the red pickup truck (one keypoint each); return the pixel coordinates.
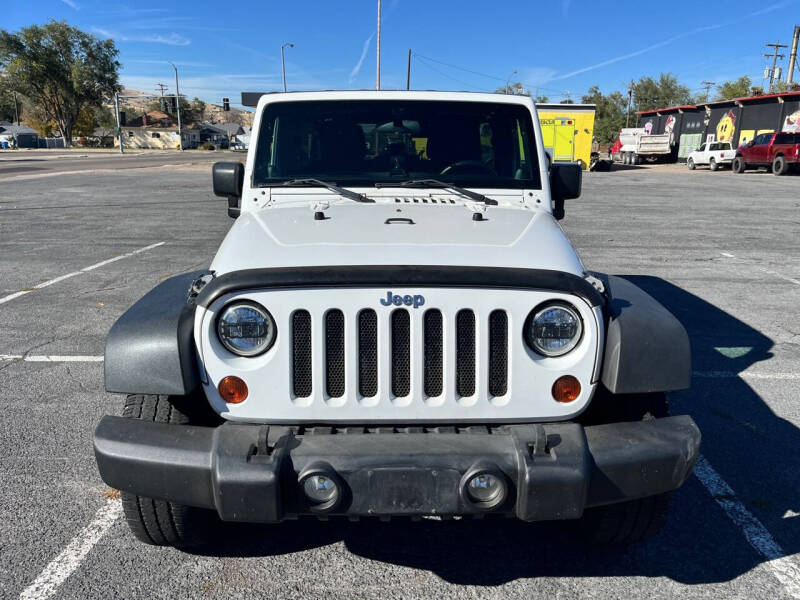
(781, 150)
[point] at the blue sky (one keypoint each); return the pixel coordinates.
(558, 47)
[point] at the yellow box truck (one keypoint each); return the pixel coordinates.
(567, 131)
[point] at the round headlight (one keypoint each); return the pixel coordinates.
(246, 329)
(553, 329)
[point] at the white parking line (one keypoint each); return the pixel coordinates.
(63, 565)
(744, 374)
(783, 567)
(780, 276)
(44, 284)
(50, 358)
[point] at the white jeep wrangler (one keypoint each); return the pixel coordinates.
(395, 326)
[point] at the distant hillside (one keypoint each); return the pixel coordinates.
(213, 112)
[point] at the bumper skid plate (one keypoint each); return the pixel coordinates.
(249, 473)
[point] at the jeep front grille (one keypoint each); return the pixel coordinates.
(334, 353)
(434, 353)
(413, 345)
(301, 354)
(367, 353)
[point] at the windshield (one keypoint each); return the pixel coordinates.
(364, 142)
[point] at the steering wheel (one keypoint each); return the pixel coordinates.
(467, 166)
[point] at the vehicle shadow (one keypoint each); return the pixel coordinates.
(742, 438)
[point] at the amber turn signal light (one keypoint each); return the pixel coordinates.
(232, 389)
(566, 389)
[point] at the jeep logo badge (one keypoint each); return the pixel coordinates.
(416, 301)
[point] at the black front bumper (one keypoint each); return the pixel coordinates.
(251, 472)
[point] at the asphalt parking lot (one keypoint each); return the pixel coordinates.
(721, 251)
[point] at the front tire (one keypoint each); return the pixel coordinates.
(780, 166)
(690, 164)
(634, 521)
(738, 165)
(159, 522)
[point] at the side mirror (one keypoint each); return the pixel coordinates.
(751, 143)
(565, 184)
(228, 182)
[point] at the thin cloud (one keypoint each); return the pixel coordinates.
(360, 63)
(73, 5)
(635, 53)
(171, 39)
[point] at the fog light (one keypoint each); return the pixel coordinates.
(566, 389)
(232, 389)
(320, 489)
(485, 488)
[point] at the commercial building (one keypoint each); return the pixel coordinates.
(737, 121)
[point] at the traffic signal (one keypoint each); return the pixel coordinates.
(226, 104)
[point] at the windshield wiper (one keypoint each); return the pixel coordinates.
(349, 194)
(441, 185)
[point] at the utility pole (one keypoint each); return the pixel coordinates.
(775, 56)
(378, 79)
(119, 127)
(162, 87)
(283, 63)
(630, 99)
(178, 106)
(16, 108)
(793, 56)
(408, 71)
(708, 85)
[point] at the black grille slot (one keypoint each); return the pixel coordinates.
(498, 353)
(401, 353)
(334, 353)
(367, 353)
(465, 353)
(434, 358)
(301, 354)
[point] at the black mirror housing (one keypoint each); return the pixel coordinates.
(565, 184)
(228, 180)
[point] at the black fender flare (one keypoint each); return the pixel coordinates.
(647, 348)
(150, 349)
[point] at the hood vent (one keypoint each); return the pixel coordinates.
(413, 200)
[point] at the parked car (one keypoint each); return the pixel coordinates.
(780, 150)
(378, 338)
(711, 153)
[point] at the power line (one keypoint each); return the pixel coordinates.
(488, 76)
(443, 74)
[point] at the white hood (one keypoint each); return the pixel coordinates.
(380, 234)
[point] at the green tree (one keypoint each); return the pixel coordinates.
(541, 99)
(650, 93)
(60, 69)
(7, 110)
(737, 88)
(610, 116)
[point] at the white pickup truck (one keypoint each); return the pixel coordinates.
(395, 326)
(711, 153)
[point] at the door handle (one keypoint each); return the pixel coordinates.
(398, 220)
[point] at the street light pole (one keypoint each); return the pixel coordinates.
(119, 125)
(178, 106)
(283, 63)
(508, 81)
